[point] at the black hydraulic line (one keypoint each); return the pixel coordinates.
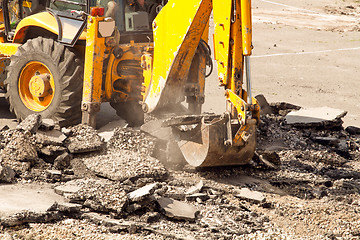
(206, 48)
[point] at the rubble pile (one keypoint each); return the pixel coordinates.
(83, 138)
(303, 176)
(317, 154)
(125, 164)
(133, 140)
(36, 145)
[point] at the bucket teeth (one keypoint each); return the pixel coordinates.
(201, 139)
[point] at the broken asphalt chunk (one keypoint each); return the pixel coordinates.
(142, 193)
(115, 225)
(341, 173)
(52, 150)
(177, 210)
(316, 117)
(131, 139)
(20, 148)
(268, 158)
(63, 161)
(53, 137)
(283, 108)
(31, 123)
(249, 195)
(265, 107)
(125, 164)
(30, 217)
(327, 140)
(95, 205)
(7, 175)
(195, 189)
(53, 174)
(67, 189)
(107, 131)
(98, 194)
(25, 203)
(196, 196)
(353, 130)
(83, 139)
(177, 193)
(4, 128)
(66, 207)
(47, 124)
(66, 131)
(151, 217)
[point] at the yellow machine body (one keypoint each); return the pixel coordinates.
(174, 48)
(161, 72)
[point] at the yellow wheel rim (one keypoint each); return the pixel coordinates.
(36, 86)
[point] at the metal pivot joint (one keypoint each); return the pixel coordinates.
(89, 110)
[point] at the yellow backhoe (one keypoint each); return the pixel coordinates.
(63, 58)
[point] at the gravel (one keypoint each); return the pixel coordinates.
(125, 164)
(312, 190)
(82, 139)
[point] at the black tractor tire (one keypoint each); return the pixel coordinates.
(131, 112)
(66, 69)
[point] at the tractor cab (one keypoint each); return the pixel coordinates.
(133, 18)
(13, 11)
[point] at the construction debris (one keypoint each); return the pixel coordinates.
(62, 161)
(54, 175)
(115, 225)
(83, 139)
(269, 159)
(283, 108)
(24, 203)
(353, 130)
(124, 189)
(34, 143)
(47, 124)
(125, 164)
(177, 210)
(30, 217)
(68, 208)
(265, 107)
(316, 117)
(131, 139)
(199, 197)
(20, 147)
(30, 124)
(67, 190)
(51, 137)
(249, 195)
(7, 175)
(142, 193)
(195, 189)
(107, 131)
(99, 195)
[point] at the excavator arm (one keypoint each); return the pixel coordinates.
(227, 139)
(177, 32)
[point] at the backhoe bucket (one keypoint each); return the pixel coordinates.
(203, 143)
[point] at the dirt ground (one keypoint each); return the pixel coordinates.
(306, 53)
